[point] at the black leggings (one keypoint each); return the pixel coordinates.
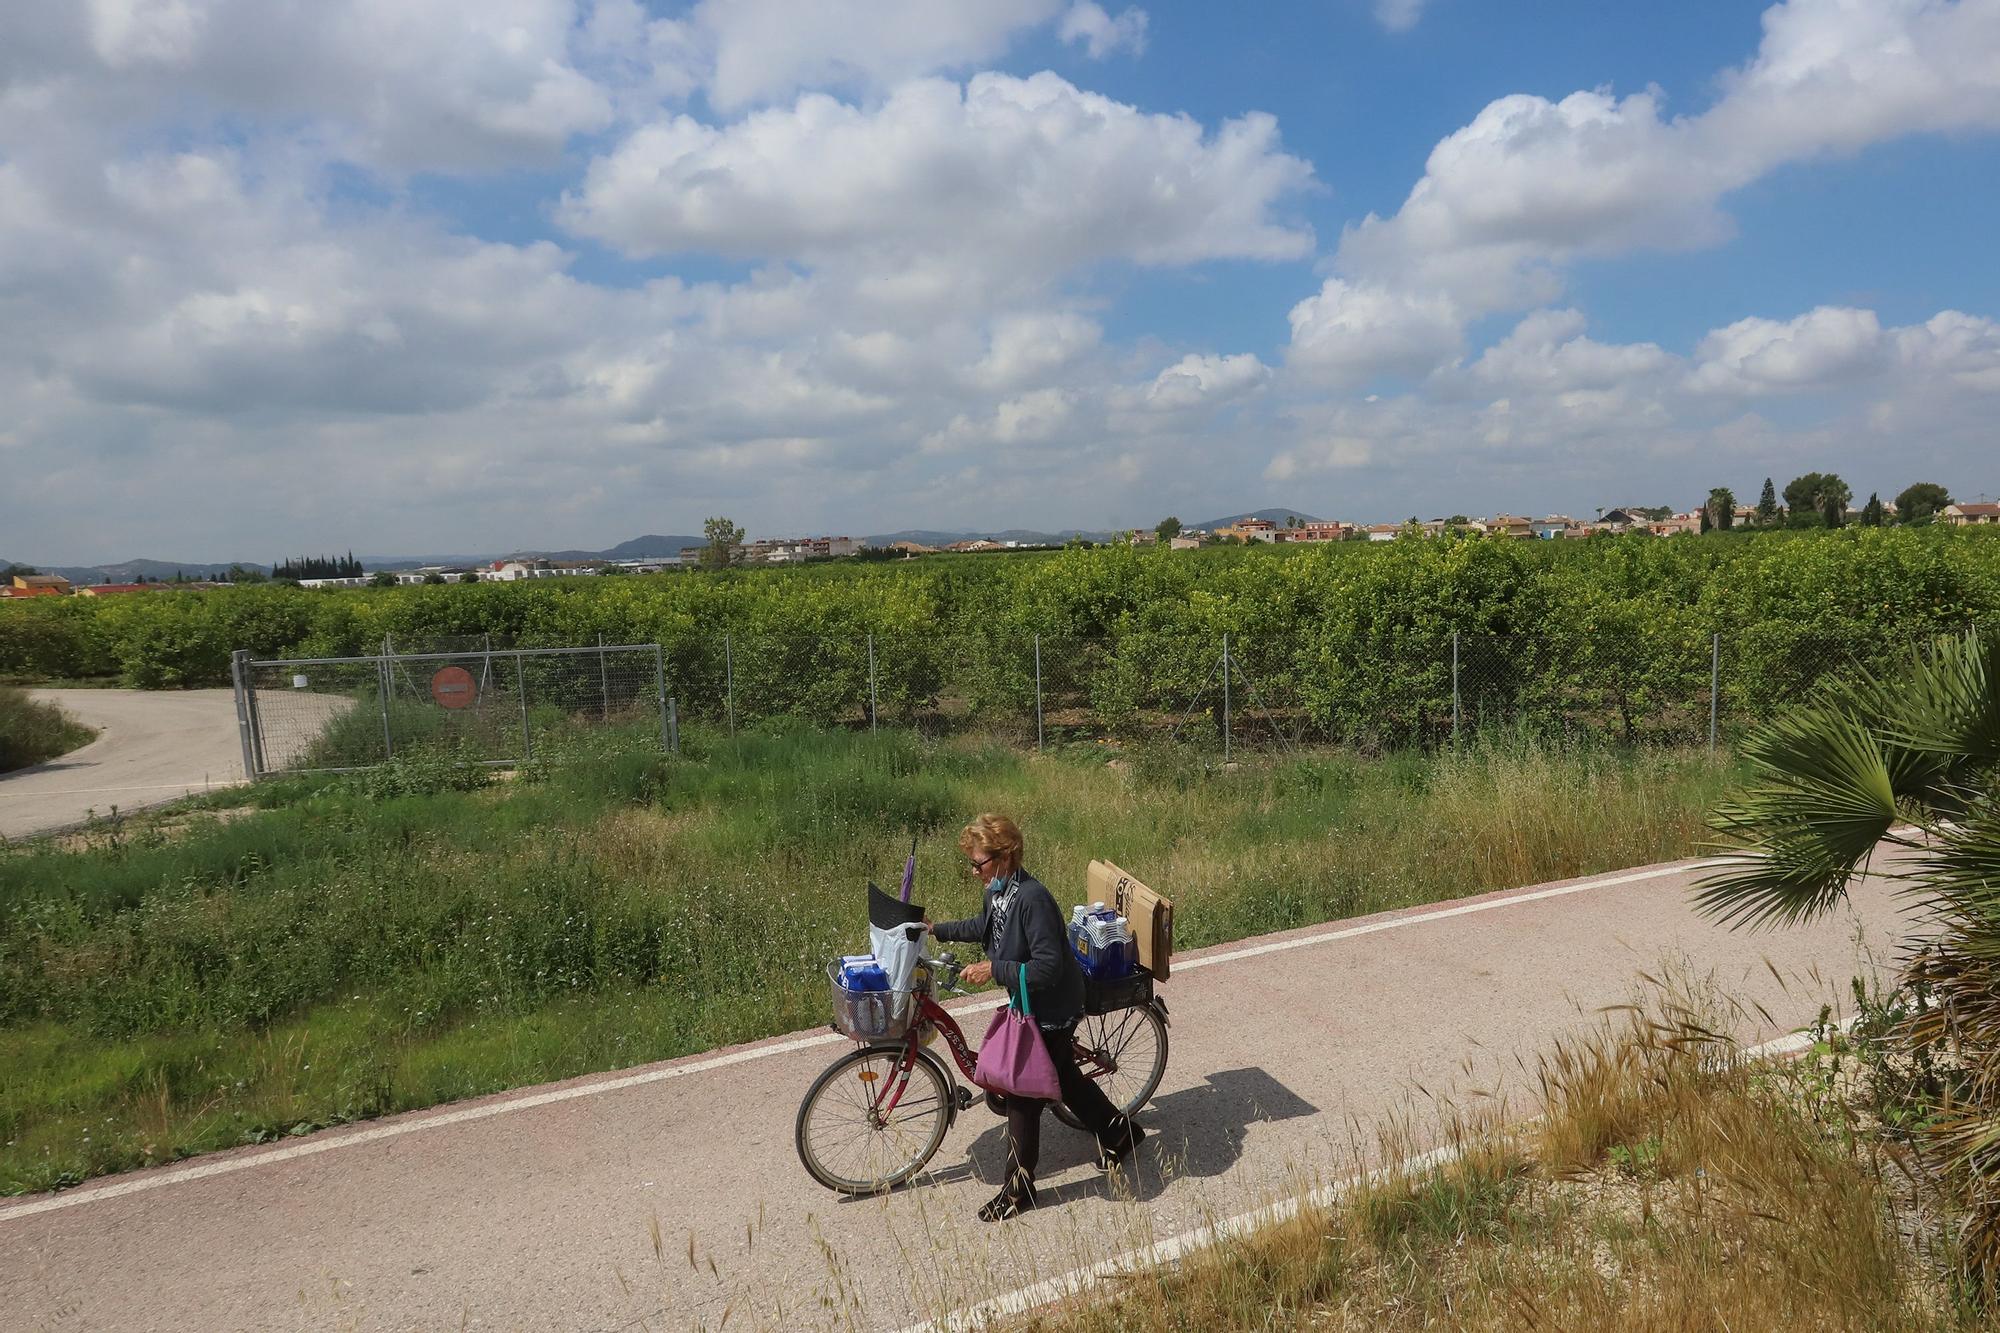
(1079, 1092)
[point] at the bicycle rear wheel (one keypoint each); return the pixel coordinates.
(1126, 1052)
(847, 1145)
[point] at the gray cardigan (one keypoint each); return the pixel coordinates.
(1034, 936)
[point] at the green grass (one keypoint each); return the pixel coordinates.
(34, 733)
(321, 949)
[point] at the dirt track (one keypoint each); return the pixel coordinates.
(579, 1205)
(152, 746)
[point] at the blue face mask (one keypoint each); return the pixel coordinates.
(997, 884)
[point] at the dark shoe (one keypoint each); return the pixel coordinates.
(996, 1103)
(1123, 1139)
(1009, 1202)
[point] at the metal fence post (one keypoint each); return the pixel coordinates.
(603, 676)
(1038, 692)
(1714, 684)
(1454, 685)
(673, 727)
(729, 682)
(1225, 696)
(660, 690)
(521, 688)
(382, 693)
(871, 682)
(239, 675)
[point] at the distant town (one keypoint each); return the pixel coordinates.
(1924, 503)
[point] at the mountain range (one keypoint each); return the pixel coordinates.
(651, 546)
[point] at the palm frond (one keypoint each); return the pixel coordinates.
(1821, 801)
(1960, 876)
(1947, 706)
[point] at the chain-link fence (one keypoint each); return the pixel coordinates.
(1222, 693)
(477, 703)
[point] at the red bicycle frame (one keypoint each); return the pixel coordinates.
(931, 1012)
(928, 1011)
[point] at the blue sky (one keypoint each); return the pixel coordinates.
(517, 273)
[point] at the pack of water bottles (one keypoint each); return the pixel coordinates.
(865, 1006)
(1102, 942)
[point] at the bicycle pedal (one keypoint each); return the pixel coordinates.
(965, 1099)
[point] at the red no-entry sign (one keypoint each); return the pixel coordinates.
(453, 687)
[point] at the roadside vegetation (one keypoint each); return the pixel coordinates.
(311, 951)
(34, 733)
(1345, 642)
(1666, 1182)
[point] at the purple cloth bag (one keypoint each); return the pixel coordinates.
(1012, 1060)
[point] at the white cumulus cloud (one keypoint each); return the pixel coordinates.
(1031, 175)
(1198, 379)
(1829, 346)
(1532, 184)
(1352, 332)
(1101, 34)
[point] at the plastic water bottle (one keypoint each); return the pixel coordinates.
(1109, 947)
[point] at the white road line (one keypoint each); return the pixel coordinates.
(1016, 1303)
(1398, 923)
(313, 1147)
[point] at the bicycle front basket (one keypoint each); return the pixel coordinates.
(870, 1015)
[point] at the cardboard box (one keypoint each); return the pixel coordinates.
(1151, 916)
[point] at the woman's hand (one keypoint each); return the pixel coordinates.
(978, 974)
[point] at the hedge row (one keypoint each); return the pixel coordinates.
(1350, 640)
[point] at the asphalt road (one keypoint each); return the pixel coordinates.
(152, 746)
(670, 1197)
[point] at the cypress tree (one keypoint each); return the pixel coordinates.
(1767, 505)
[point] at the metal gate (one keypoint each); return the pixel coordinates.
(477, 706)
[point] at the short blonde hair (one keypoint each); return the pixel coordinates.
(993, 835)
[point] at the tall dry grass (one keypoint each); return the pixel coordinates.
(1668, 1184)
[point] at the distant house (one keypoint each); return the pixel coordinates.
(1384, 532)
(1677, 524)
(1252, 530)
(1317, 532)
(1620, 520)
(1186, 541)
(1552, 527)
(1510, 525)
(115, 589)
(1958, 515)
(39, 585)
(512, 571)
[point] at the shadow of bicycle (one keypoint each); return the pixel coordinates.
(1198, 1131)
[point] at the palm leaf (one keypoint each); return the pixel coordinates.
(1821, 801)
(1946, 708)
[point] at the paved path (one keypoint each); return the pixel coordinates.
(669, 1197)
(152, 746)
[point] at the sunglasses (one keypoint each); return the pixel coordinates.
(980, 863)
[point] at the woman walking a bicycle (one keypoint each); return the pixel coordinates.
(1022, 931)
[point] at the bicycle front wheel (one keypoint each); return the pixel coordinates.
(847, 1144)
(1126, 1052)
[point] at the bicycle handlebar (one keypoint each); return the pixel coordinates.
(946, 967)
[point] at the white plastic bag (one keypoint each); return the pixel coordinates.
(899, 949)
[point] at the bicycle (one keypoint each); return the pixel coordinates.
(876, 1116)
